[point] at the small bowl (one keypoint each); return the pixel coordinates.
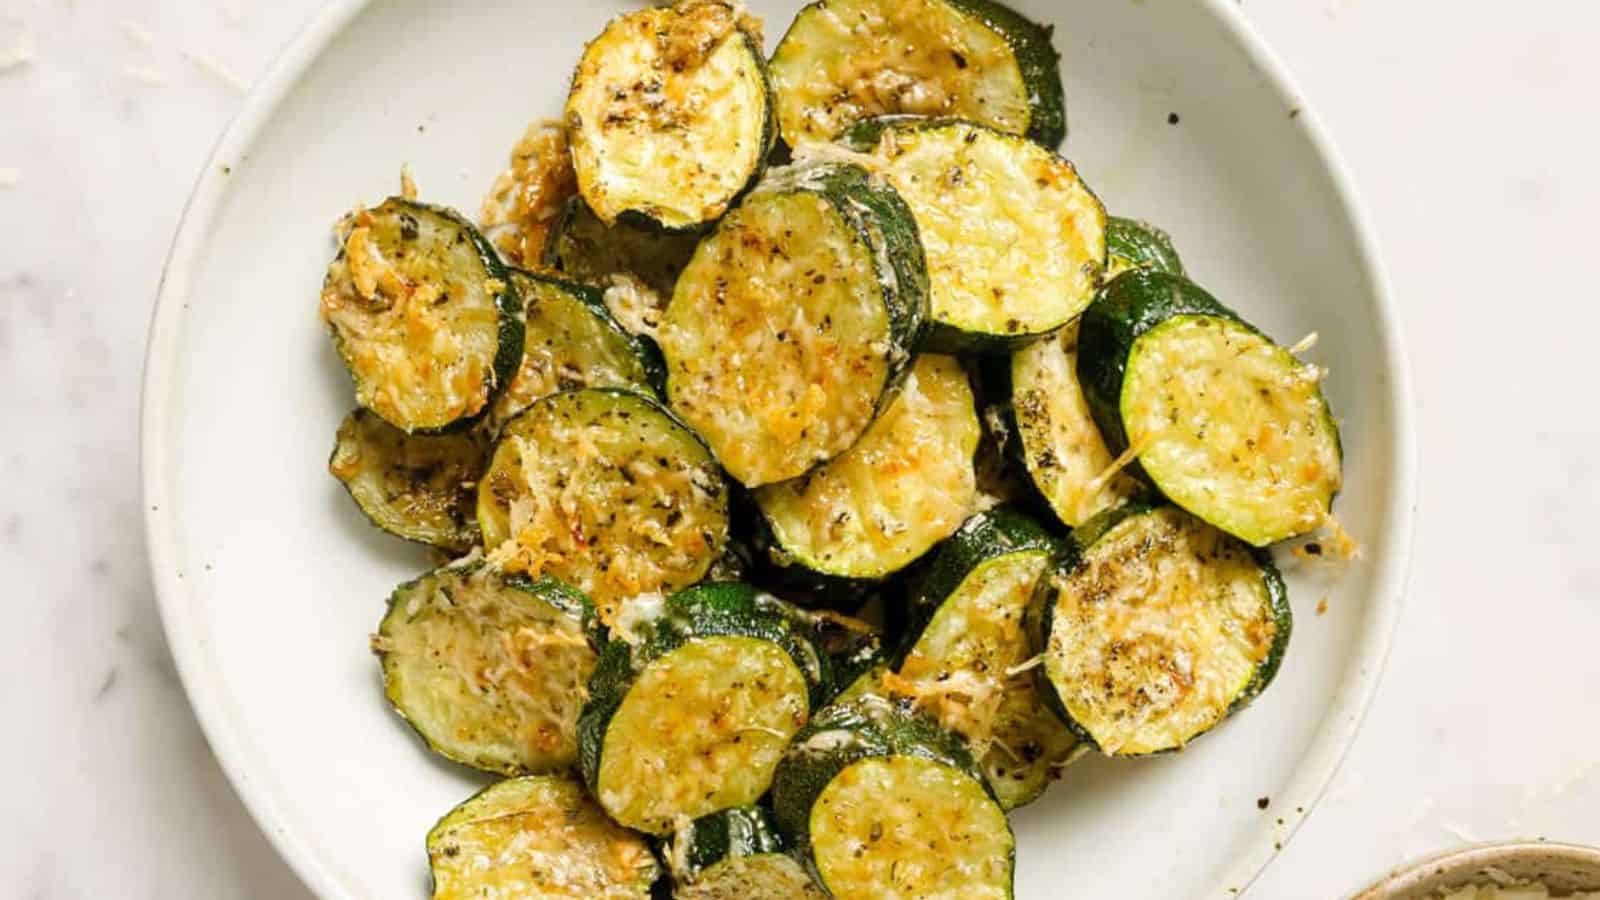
(1560, 867)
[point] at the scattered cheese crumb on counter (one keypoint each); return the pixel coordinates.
(144, 75)
(10, 177)
(136, 33)
(21, 52)
(210, 65)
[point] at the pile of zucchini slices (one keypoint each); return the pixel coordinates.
(820, 469)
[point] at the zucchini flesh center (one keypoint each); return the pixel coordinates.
(777, 337)
(701, 729)
(1234, 428)
(667, 114)
(766, 876)
(906, 485)
(1158, 632)
(909, 828)
(847, 60)
(411, 485)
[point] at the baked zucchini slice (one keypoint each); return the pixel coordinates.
(1015, 241)
(416, 486)
(491, 670)
(605, 490)
(736, 854)
(795, 320)
(884, 803)
(960, 663)
(670, 116)
(1133, 244)
(1155, 628)
(522, 207)
(571, 341)
(587, 249)
(1225, 423)
(846, 60)
(692, 703)
(904, 487)
(423, 314)
(537, 838)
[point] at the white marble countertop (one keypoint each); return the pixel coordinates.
(1469, 129)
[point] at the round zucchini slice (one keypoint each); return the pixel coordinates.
(570, 342)
(736, 854)
(904, 487)
(490, 670)
(1133, 244)
(670, 116)
(883, 803)
(537, 838)
(1225, 423)
(693, 702)
(416, 486)
(795, 320)
(846, 60)
(583, 247)
(606, 491)
(1155, 629)
(1015, 241)
(423, 314)
(966, 644)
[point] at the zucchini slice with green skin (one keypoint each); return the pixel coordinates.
(423, 314)
(966, 643)
(571, 341)
(490, 670)
(670, 117)
(846, 60)
(736, 854)
(795, 320)
(886, 805)
(607, 491)
(1155, 628)
(1015, 241)
(416, 486)
(1139, 245)
(692, 703)
(1225, 423)
(904, 487)
(583, 247)
(537, 838)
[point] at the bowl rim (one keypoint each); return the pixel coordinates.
(1340, 721)
(1436, 870)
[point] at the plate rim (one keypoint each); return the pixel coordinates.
(1341, 721)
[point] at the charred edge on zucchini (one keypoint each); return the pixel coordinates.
(1133, 244)
(583, 247)
(846, 60)
(671, 115)
(966, 646)
(1155, 628)
(875, 796)
(795, 320)
(735, 854)
(606, 491)
(521, 208)
(416, 486)
(1223, 422)
(853, 647)
(692, 703)
(423, 314)
(537, 837)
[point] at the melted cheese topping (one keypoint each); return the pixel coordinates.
(701, 729)
(777, 337)
(1061, 446)
(606, 493)
(526, 200)
(964, 671)
(1158, 632)
(413, 311)
(553, 842)
(847, 60)
(1015, 241)
(565, 346)
(419, 487)
(908, 828)
(667, 114)
(592, 251)
(492, 676)
(767, 876)
(1234, 429)
(905, 486)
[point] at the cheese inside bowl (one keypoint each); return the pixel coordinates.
(1518, 870)
(1252, 194)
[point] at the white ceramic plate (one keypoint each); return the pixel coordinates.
(270, 581)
